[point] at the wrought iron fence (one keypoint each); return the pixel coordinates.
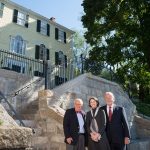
(54, 75)
(58, 74)
(20, 64)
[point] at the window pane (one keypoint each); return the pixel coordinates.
(44, 27)
(1, 9)
(21, 18)
(61, 36)
(18, 45)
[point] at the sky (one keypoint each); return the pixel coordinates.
(66, 12)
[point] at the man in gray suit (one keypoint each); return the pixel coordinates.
(117, 129)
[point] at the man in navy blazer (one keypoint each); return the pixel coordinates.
(117, 128)
(74, 127)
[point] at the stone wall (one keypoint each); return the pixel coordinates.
(142, 127)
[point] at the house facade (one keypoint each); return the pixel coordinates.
(32, 35)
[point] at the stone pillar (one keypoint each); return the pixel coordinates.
(43, 97)
(49, 132)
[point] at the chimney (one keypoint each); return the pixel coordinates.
(52, 19)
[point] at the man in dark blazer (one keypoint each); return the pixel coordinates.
(117, 128)
(74, 127)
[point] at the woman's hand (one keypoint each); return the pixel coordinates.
(95, 136)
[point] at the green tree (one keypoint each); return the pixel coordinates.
(80, 48)
(119, 32)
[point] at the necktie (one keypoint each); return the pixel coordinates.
(110, 114)
(79, 112)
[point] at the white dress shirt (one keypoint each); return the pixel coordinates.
(81, 123)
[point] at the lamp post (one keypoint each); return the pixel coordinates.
(45, 64)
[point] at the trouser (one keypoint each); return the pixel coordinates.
(80, 144)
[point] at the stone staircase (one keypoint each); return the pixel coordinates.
(29, 111)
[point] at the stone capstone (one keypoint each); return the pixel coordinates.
(11, 134)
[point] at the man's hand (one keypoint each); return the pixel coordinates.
(69, 140)
(126, 140)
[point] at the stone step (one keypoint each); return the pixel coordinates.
(31, 108)
(42, 143)
(28, 116)
(29, 111)
(140, 144)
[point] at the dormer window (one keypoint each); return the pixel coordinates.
(20, 18)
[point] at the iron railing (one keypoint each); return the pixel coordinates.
(54, 74)
(21, 64)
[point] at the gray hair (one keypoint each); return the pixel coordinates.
(78, 100)
(110, 93)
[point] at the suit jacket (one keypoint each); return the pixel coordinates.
(118, 128)
(71, 125)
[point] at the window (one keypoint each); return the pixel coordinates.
(60, 35)
(18, 45)
(20, 18)
(41, 52)
(60, 58)
(43, 27)
(1, 9)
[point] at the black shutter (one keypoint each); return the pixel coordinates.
(64, 37)
(15, 15)
(37, 51)
(56, 58)
(56, 33)
(27, 18)
(47, 54)
(38, 29)
(48, 29)
(65, 61)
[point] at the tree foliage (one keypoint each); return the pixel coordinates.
(80, 49)
(119, 32)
